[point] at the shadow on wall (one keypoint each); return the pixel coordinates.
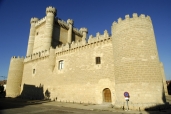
(169, 87)
(34, 93)
(56, 36)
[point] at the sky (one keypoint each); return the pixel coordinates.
(96, 15)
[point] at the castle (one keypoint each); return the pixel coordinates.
(64, 66)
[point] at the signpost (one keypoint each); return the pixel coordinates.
(126, 94)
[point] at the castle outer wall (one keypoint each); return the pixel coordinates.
(61, 65)
(81, 79)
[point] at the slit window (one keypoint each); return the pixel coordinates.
(34, 70)
(98, 60)
(61, 64)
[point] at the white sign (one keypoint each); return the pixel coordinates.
(126, 98)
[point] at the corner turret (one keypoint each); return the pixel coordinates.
(14, 79)
(84, 31)
(70, 22)
(31, 36)
(33, 20)
(50, 16)
(51, 9)
(136, 62)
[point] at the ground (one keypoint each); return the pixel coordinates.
(20, 106)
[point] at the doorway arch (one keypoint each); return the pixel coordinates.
(107, 95)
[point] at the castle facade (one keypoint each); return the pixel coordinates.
(62, 65)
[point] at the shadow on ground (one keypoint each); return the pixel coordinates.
(30, 95)
(9, 103)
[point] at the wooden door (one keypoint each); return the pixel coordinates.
(107, 95)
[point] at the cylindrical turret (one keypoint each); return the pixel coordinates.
(70, 22)
(84, 31)
(136, 61)
(14, 77)
(50, 16)
(31, 36)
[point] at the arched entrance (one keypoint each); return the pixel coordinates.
(107, 95)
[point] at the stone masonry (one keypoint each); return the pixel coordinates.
(71, 68)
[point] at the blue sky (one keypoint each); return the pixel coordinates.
(96, 15)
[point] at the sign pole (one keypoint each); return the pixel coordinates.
(126, 94)
(127, 104)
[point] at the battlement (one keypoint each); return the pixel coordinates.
(98, 37)
(78, 32)
(102, 39)
(134, 17)
(70, 21)
(15, 58)
(84, 30)
(51, 9)
(62, 23)
(33, 20)
(39, 22)
(37, 55)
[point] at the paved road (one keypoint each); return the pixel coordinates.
(45, 108)
(18, 106)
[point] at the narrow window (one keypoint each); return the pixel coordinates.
(98, 61)
(61, 64)
(37, 33)
(34, 71)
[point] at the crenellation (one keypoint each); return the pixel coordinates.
(81, 44)
(77, 31)
(119, 20)
(148, 18)
(34, 20)
(37, 55)
(51, 9)
(17, 57)
(126, 17)
(63, 23)
(39, 22)
(65, 47)
(142, 16)
(106, 34)
(134, 15)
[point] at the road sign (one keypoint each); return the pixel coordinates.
(126, 94)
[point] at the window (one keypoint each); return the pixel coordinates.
(98, 60)
(61, 64)
(34, 70)
(37, 33)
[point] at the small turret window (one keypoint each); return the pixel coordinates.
(98, 60)
(61, 64)
(37, 33)
(34, 71)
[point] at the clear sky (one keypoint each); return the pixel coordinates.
(96, 15)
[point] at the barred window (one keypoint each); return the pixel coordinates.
(61, 64)
(98, 61)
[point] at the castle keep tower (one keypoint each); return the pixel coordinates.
(15, 74)
(31, 36)
(136, 62)
(50, 16)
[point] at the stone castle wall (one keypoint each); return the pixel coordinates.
(80, 75)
